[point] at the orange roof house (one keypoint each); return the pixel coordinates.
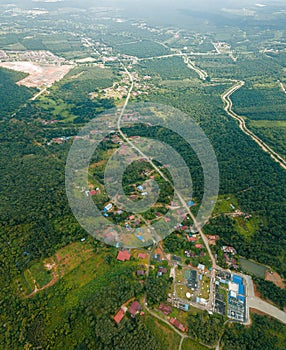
(123, 255)
(119, 316)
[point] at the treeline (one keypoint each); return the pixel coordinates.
(12, 96)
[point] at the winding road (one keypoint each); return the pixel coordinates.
(252, 300)
(242, 125)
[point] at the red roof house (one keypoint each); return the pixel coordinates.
(142, 256)
(119, 316)
(134, 308)
(123, 255)
(166, 309)
(192, 239)
(177, 324)
(198, 246)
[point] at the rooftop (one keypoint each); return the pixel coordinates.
(119, 316)
(123, 255)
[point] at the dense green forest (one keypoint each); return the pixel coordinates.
(264, 334)
(12, 96)
(270, 291)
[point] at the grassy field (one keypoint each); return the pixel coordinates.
(168, 339)
(40, 273)
(223, 204)
(247, 227)
(71, 256)
(190, 344)
(182, 290)
(37, 274)
(182, 316)
(268, 123)
(205, 287)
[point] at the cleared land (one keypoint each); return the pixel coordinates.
(275, 278)
(39, 74)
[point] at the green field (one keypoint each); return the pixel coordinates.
(40, 274)
(190, 344)
(144, 48)
(268, 123)
(168, 339)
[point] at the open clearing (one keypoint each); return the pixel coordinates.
(39, 74)
(275, 278)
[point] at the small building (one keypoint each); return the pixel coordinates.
(166, 309)
(177, 324)
(163, 270)
(119, 316)
(192, 239)
(198, 245)
(140, 273)
(142, 256)
(108, 207)
(135, 308)
(123, 255)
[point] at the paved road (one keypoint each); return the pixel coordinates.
(38, 94)
(282, 86)
(256, 303)
(242, 125)
(252, 301)
(183, 202)
(263, 306)
(202, 74)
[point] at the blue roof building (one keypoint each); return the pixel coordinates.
(241, 289)
(237, 279)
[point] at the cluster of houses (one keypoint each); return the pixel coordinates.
(39, 56)
(134, 309)
(229, 253)
(178, 325)
(59, 140)
(166, 309)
